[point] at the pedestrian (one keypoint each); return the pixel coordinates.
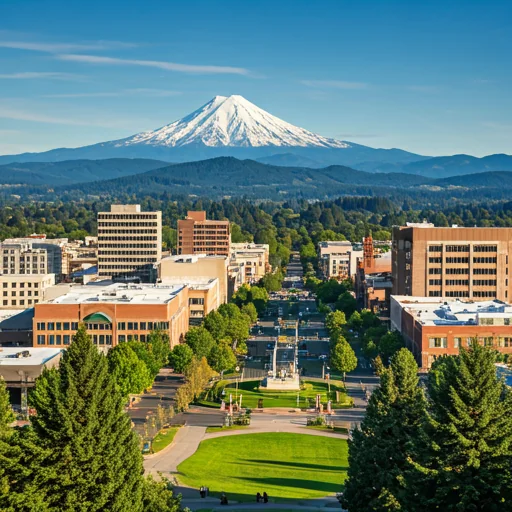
(258, 497)
(223, 499)
(265, 497)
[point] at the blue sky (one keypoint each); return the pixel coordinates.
(430, 77)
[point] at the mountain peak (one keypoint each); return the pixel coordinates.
(231, 121)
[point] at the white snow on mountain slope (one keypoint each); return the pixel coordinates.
(231, 121)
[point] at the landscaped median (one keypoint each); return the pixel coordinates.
(163, 439)
(252, 393)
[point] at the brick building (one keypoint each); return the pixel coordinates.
(434, 327)
(196, 234)
(471, 263)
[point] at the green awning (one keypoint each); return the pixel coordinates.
(97, 318)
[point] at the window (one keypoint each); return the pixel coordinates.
(435, 248)
(457, 293)
(457, 259)
(66, 339)
(121, 326)
(143, 326)
(121, 338)
(143, 338)
(457, 248)
(5, 285)
(108, 339)
(66, 326)
(486, 321)
(486, 341)
(432, 271)
(51, 326)
(457, 282)
(59, 326)
(51, 339)
(74, 326)
(484, 271)
(435, 260)
(133, 326)
(196, 301)
(457, 271)
(485, 248)
(505, 342)
(484, 259)
(484, 282)
(437, 343)
(58, 339)
(41, 326)
(457, 342)
(434, 293)
(434, 282)
(41, 339)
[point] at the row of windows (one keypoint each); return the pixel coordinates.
(144, 224)
(127, 260)
(490, 321)
(457, 248)
(127, 216)
(486, 341)
(461, 271)
(22, 285)
(121, 326)
(126, 246)
(196, 301)
(22, 293)
(485, 248)
(486, 294)
(484, 282)
(21, 302)
(113, 238)
(457, 282)
(462, 248)
(117, 251)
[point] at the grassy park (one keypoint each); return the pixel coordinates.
(283, 465)
(252, 393)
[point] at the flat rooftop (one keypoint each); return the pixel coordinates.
(192, 258)
(120, 293)
(437, 311)
(12, 356)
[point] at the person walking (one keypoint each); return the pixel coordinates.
(265, 497)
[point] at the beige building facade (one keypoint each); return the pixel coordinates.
(23, 291)
(129, 242)
(338, 259)
(19, 257)
(252, 259)
(466, 263)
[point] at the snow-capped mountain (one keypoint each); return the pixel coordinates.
(230, 126)
(232, 121)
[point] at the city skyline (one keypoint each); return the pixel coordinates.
(427, 79)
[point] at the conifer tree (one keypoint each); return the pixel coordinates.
(464, 460)
(379, 450)
(80, 454)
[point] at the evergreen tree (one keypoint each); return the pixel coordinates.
(464, 460)
(379, 450)
(80, 454)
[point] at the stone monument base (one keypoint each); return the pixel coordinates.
(287, 384)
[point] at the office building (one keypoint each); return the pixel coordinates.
(113, 313)
(252, 259)
(19, 257)
(129, 243)
(470, 263)
(20, 291)
(196, 235)
(338, 260)
(434, 327)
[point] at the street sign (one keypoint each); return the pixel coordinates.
(237, 368)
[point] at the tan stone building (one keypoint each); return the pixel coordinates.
(19, 257)
(196, 269)
(469, 263)
(338, 259)
(252, 259)
(196, 234)
(113, 313)
(21, 291)
(129, 242)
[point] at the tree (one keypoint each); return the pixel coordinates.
(159, 345)
(181, 357)
(463, 459)
(259, 297)
(272, 282)
(343, 357)
(250, 311)
(222, 356)
(83, 453)
(200, 341)
(146, 356)
(159, 497)
(379, 451)
(308, 253)
(346, 303)
(216, 324)
(355, 321)
(335, 320)
(389, 344)
(8, 453)
(6, 414)
(238, 332)
(131, 375)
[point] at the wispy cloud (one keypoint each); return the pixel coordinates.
(48, 75)
(65, 47)
(334, 84)
(168, 66)
(160, 93)
(430, 89)
(23, 115)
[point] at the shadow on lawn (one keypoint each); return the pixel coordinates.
(299, 465)
(298, 483)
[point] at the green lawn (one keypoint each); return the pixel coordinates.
(283, 465)
(212, 430)
(163, 438)
(251, 393)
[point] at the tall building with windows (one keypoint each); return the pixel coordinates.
(468, 263)
(129, 243)
(196, 235)
(19, 257)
